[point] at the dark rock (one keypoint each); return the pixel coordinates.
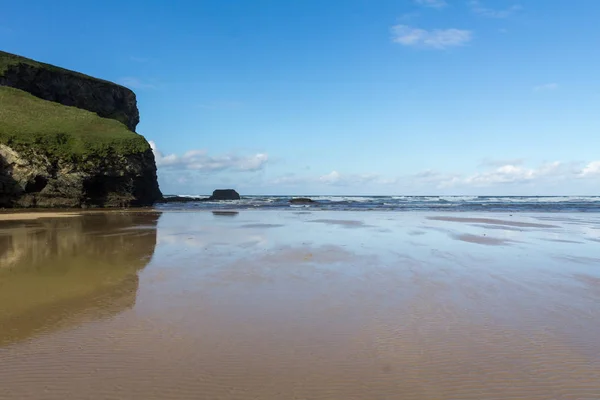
(224, 194)
(302, 200)
(71, 88)
(114, 181)
(218, 195)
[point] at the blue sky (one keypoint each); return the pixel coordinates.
(343, 96)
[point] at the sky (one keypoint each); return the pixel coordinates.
(356, 97)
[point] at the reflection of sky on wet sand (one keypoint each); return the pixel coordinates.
(455, 248)
(518, 235)
(274, 304)
(434, 244)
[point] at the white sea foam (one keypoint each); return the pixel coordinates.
(461, 203)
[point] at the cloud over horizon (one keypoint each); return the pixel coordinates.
(493, 174)
(550, 172)
(200, 160)
(591, 169)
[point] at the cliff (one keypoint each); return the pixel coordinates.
(68, 140)
(69, 88)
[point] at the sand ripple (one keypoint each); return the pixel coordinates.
(282, 320)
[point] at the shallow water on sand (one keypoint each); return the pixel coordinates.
(284, 305)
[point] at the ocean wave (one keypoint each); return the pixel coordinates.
(407, 203)
(339, 199)
(540, 199)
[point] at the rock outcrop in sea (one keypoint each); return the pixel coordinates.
(224, 194)
(218, 195)
(69, 140)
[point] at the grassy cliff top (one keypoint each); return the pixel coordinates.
(30, 123)
(9, 59)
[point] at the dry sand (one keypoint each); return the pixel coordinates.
(271, 305)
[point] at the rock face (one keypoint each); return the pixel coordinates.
(115, 181)
(224, 194)
(70, 88)
(60, 144)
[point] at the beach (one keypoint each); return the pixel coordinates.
(300, 304)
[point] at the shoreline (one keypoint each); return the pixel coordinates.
(442, 215)
(32, 214)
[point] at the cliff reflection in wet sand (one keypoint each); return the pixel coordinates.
(57, 272)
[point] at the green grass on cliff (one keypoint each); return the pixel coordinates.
(9, 59)
(28, 123)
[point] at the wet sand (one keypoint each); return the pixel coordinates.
(284, 305)
(26, 216)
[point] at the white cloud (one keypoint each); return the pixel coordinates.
(432, 3)
(491, 176)
(557, 170)
(332, 177)
(136, 83)
(515, 174)
(437, 38)
(494, 174)
(199, 160)
(480, 9)
(592, 169)
(504, 174)
(546, 87)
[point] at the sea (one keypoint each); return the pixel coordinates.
(403, 203)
